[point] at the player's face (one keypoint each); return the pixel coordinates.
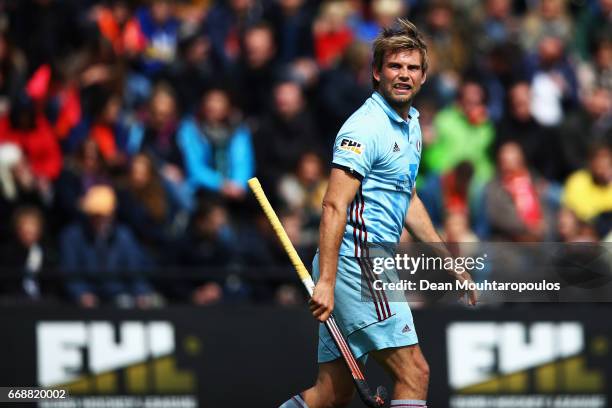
(400, 77)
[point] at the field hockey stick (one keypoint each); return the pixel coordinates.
(371, 400)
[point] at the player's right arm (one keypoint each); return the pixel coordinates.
(354, 153)
(340, 192)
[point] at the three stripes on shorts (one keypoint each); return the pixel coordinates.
(362, 254)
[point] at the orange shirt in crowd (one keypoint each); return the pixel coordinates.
(104, 136)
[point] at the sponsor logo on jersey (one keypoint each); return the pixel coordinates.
(351, 145)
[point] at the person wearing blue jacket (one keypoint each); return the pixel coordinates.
(101, 259)
(217, 149)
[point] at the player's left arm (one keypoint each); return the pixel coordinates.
(417, 221)
(419, 224)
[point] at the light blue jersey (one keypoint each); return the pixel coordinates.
(383, 150)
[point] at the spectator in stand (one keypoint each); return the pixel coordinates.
(101, 259)
(113, 22)
(156, 135)
(553, 81)
(66, 101)
(514, 204)
(146, 207)
(209, 242)
(284, 135)
(209, 239)
(18, 186)
(497, 69)
(593, 24)
(98, 68)
(447, 44)
(151, 40)
(256, 71)
(303, 190)
(539, 144)
(10, 157)
(156, 29)
(454, 191)
(382, 14)
(12, 73)
(26, 256)
(332, 34)
(598, 72)
(291, 22)
(192, 13)
(588, 192)
(87, 84)
(259, 248)
(29, 128)
(344, 88)
(549, 18)
(306, 72)
(463, 132)
(55, 92)
(257, 244)
(571, 229)
(302, 193)
(83, 170)
(498, 25)
(108, 131)
(192, 72)
(225, 25)
(216, 147)
(589, 124)
(303, 237)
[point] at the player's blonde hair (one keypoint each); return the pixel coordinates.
(403, 35)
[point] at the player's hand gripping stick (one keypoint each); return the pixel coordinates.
(371, 400)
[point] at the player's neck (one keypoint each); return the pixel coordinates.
(402, 109)
(405, 113)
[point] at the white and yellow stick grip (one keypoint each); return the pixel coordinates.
(281, 234)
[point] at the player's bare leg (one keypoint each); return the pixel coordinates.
(408, 369)
(333, 389)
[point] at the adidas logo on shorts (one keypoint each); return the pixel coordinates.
(406, 329)
(396, 148)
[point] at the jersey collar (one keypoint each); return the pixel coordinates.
(412, 113)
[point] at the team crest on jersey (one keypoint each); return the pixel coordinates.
(351, 145)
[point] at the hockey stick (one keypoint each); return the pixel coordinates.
(370, 399)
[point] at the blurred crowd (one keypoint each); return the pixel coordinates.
(128, 131)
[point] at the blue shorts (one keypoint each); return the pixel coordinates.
(367, 320)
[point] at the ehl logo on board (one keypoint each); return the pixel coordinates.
(541, 363)
(92, 357)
